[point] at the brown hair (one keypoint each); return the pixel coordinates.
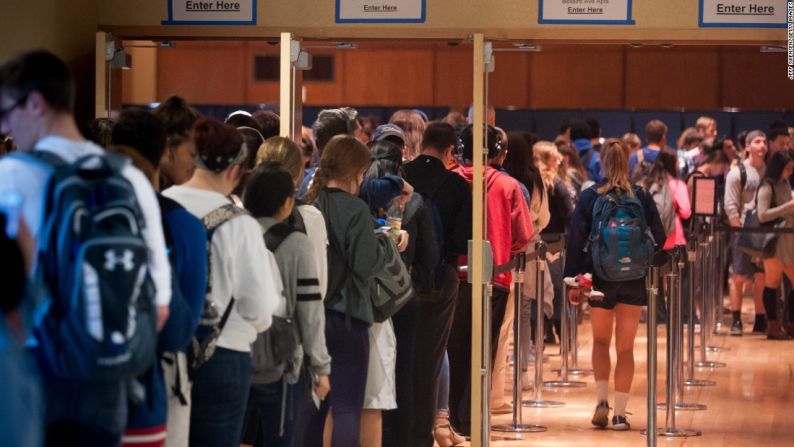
(343, 158)
(413, 127)
(615, 164)
(218, 145)
(543, 151)
(655, 130)
(281, 150)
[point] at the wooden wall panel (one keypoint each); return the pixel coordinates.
(658, 78)
(509, 83)
(583, 76)
(203, 73)
(452, 80)
(755, 81)
(397, 77)
(333, 92)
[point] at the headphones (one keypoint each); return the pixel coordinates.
(493, 140)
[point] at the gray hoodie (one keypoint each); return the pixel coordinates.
(295, 259)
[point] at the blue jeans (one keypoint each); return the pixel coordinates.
(220, 394)
(263, 418)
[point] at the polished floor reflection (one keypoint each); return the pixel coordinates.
(751, 403)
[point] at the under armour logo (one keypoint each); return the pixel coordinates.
(112, 260)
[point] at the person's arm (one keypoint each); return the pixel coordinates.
(765, 211)
(365, 252)
(680, 198)
(733, 197)
(540, 208)
(378, 192)
(579, 232)
(159, 267)
(309, 305)
(256, 282)
(521, 221)
(190, 247)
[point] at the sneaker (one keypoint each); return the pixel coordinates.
(505, 408)
(736, 328)
(601, 415)
(760, 326)
(580, 280)
(620, 423)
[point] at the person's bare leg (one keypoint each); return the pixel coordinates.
(328, 432)
(602, 325)
(371, 428)
(627, 319)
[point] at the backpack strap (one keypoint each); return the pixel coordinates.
(640, 156)
(276, 234)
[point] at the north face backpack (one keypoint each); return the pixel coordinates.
(212, 321)
(97, 320)
(620, 241)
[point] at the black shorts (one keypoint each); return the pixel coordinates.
(626, 292)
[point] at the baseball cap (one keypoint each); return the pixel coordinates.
(389, 130)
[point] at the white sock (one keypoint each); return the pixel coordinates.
(602, 390)
(621, 399)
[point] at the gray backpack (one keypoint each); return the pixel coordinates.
(664, 204)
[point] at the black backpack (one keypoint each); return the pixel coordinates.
(426, 282)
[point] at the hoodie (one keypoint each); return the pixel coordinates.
(509, 222)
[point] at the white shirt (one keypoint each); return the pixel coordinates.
(30, 179)
(241, 267)
(315, 229)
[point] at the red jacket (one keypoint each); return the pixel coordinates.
(509, 222)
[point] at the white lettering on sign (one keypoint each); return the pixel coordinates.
(211, 12)
(395, 11)
(743, 13)
(607, 12)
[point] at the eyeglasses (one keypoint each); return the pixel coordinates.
(18, 103)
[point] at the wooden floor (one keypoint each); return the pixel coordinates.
(752, 403)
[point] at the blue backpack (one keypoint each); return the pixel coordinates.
(96, 320)
(620, 242)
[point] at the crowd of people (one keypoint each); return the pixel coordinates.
(178, 280)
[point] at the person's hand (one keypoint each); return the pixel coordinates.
(322, 386)
(402, 242)
(162, 316)
(577, 295)
(736, 222)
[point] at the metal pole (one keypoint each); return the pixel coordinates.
(652, 286)
(565, 342)
(518, 292)
(705, 304)
(692, 255)
(676, 292)
(670, 429)
(538, 402)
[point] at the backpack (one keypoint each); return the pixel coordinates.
(620, 242)
(97, 318)
(389, 289)
(211, 322)
(642, 169)
(665, 205)
(427, 281)
(277, 345)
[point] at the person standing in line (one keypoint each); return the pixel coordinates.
(741, 185)
(617, 308)
(242, 283)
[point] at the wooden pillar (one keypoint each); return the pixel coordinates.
(476, 271)
(291, 89)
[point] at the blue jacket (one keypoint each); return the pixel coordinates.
(593, 167)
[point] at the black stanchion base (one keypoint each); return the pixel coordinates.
(518, 428)
(543, 403)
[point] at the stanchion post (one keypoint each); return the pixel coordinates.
(565, 343)
(706, 304)
(692, 254)
(652, 287)
(538, 402)
(518, 425)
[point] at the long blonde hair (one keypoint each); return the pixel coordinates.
(282, 150)
(615, 165)
(542, 152)
(344, 157)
